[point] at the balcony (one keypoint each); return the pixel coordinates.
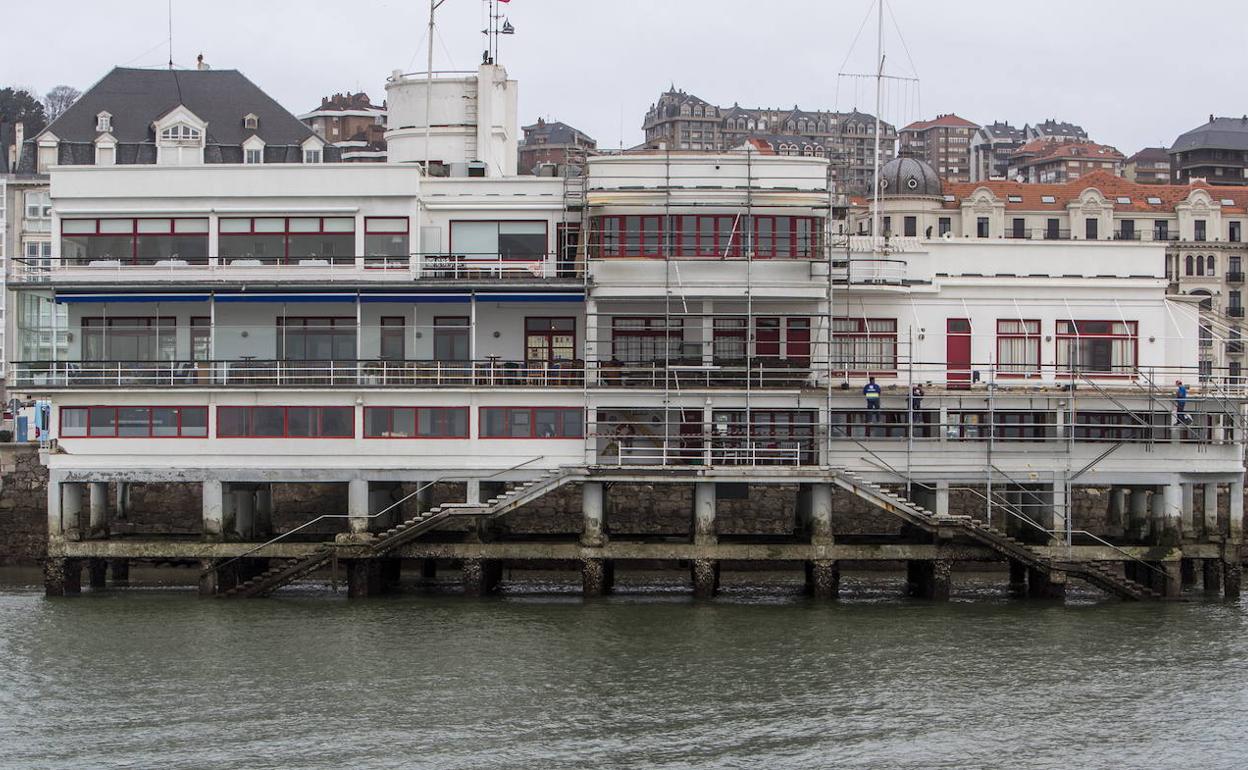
(461, 267)
(1235, 311)
(1164, 235)
(1056, 235)
(1235, 347)
(1235, 276)
(1127, 235)
(1018, 235)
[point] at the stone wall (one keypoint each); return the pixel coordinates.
(23, 503)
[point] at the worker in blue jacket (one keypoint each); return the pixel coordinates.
(871, 392)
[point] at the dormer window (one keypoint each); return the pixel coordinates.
(181, 133)
(253, 156)
(251, 122)
(311, 156)
(104, 122)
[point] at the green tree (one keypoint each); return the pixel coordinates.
(19, 104)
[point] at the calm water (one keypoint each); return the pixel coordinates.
(761, 677)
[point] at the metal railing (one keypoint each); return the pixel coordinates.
(719, 453)
(369, 517)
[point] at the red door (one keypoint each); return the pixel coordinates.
(767, 337)
(958, 353)
(797, 346)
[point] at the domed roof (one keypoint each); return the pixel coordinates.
(909, 176)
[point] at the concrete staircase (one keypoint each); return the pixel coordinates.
(290, 570)
(1099, 575)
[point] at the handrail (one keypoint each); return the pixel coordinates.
(382, 512)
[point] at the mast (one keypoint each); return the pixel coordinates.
(879, 87)
(433, 7)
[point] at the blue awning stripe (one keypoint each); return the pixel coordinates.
(226, 297)
(95, 298)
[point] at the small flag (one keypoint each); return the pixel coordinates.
(507, 28)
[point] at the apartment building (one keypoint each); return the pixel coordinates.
(555, 143)
(991, 147)
(944, 143)
(1048, 161)
(1150, 165)
(1216, 152)
(352, 123)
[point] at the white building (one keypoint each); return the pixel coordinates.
(366, 324)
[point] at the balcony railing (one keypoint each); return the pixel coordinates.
(1127, 235)
(1056, 235)
(459, 266)
(1234, 276)
(1235, 311)
(1165, 235)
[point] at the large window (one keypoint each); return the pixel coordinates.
(1018, 348)
(764, 437)
(416, 422)
(549, 339)
(285, 422)
(316, 339)
(129, 339)
(386, 238)
(275, 240)
(450, 338)
(643, 340)
(527, 422)
(134, 422)
(134, 241)
(730, 339)
(863, 346)
(1097, 347)
(707, 235)
(393, 338)
(525, 240)
(38, 211)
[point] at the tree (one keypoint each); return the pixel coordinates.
(59, 99)
(17, 104)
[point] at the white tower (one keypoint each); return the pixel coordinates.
(473, 127)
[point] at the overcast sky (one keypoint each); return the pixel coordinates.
(1124, 69)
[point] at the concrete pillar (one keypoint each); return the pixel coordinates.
(1212, 577)
(1053, 509)
(705, 573)
(62, 577)
(71, 509)
(1235, 508)
(99, 508)
(123, 500)
(704, 513)
(428, 569)
(1173, 584)
(823, 578)
(942, 499)
(1187, 573)
(929, 579)
(1209, 517)
(597, 576)
(1232, 578)
(357, 507)
(363, 578)
(1138, 515)
(1018, 578)
(56, 525)
(1042, 586)
(214, 510)
(481, 576)
(472, 491)
(1169, 524)
(121, 570)
(593, 533)
(264, 510)
(244, 500)
(97, 573)
(820, 514)
(1187, 511)
(424, 496)
(1118, 509)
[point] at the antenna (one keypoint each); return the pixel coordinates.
(170, 16)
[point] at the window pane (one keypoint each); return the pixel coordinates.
(337, 422)
(404, 423)
(266, 421)
(386, 246)
(231, 421)
(547, 423)
(388, 225)
(572, 423)
(519, 421)
(132, 421)
(164, 422)
(377, 422)
(194, 422)
(116, 225)
(103, 421)
(494, 422)
(73, 422)
(457, 422)
(300, 422)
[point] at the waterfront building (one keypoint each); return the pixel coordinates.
(944, 143)
(554, 145)
(1216, 152)
(1150, 165)
(352, 123)
(671, 320)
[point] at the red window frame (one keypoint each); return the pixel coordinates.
(863, 333)
(708, 236)
(1077, 334)
(619, 226)
(368, 230)
(440, 413)
(656, 327)
(737, 330)
(116, 414)
(375, 261)
(133, 234)
(483, 421)
(1034, 344)
(286, 233)
(450, 237)
(320, 421)
(549, 333)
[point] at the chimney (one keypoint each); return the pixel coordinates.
(19, 135)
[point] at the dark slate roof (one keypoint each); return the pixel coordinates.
(1001, 130)
(1219, 133)
(556, 132)
(137, 97)
(1052, 127)
(1150, 155)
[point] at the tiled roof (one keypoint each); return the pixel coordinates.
(1150, 155)
(1033, 196)
(1047, 149)
(950, 120)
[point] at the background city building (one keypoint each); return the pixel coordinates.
(1216, 151)
(944, 143)
(352, 123)
(1053, 161)
(555, 143)
(991, 147)
(1150, 165)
